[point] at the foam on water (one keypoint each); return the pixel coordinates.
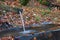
(27, 31)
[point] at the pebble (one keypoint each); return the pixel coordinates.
(4, 11)
(26, 17)
(55, 18)
(34, 14)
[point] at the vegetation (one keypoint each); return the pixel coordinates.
(24, 2)
(44, 2)
(2, 0)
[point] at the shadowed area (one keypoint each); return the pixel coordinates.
(16, 31)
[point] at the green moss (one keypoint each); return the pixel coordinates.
(37, 18)
(45, 13)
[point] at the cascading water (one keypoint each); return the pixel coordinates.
(22, 21)
(25, 31)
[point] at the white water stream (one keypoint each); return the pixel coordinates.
(22, 21)
(24, 30)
